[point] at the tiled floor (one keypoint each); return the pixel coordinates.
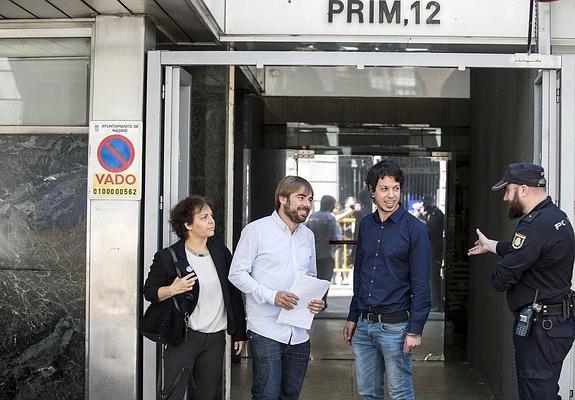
(331, 373)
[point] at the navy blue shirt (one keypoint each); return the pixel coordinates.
(392, 266)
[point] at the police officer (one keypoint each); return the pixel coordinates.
(535, 270)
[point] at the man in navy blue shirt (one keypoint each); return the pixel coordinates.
(391, 293)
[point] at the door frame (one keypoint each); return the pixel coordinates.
(554, 119)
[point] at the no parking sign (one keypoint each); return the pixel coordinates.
(115, 160)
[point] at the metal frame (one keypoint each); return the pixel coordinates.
(567, 142)
(46, 28)
(549, 132)
(543, 28)
(151, 238)
(549, 64)
(53, 28)
(229, 206)
(360, 59)
(365, 38)
(43, 130)
(254, 81)
(115, 249)
(537, 121)
(567, 187)
(176, 146)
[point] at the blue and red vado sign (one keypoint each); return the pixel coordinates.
(116, 163)
(116, 153)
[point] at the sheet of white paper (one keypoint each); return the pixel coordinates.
(306, 288)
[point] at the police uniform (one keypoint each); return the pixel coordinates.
(539, 259)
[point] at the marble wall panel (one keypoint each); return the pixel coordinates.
(208, 138)
(42, 266)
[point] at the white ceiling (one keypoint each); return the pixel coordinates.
(177, 20)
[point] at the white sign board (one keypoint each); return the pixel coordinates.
(562, 16)
(115, 165)
(386, 19)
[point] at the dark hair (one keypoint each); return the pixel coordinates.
(428, 200)
(291, 184)
(365, 199)
(382, 169)
(183, 213)
(327, 203)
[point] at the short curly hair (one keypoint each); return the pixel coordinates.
(381, 170)
(183, 213)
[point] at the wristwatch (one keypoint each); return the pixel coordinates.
(413, 334)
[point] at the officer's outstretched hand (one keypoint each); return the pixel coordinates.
(482, 245)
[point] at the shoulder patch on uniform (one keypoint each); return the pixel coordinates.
(531, 216)
(518, 240)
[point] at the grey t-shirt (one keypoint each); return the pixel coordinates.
(324, 228)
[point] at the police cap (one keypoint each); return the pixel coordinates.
(522, 174)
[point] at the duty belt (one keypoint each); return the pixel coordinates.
(565, 309)
(551, 309)
(372, 318)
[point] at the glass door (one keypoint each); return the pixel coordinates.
(176, 171)
(423, 195)
(168, 177)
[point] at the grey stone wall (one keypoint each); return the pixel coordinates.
(42, 266)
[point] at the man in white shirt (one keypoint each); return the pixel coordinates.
(271, 252)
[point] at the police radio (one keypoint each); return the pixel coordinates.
(525, 317)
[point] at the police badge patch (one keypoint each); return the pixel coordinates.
(518, 240)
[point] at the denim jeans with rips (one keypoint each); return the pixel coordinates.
(278, 369)
(378, 350)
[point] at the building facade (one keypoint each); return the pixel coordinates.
(218, 97)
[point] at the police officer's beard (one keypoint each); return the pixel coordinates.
(293, 215)
(515, 209)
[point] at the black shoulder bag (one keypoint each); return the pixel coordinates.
(165, 322)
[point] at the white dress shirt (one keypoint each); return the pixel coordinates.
(266, 260)
(209, 316)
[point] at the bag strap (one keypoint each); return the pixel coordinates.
(178, 272)
(175, 260)
(159, 390)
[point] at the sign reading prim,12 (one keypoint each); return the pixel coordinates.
(384, 12)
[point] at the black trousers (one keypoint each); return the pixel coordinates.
(325, 270)
(539, 357)
(195, 365)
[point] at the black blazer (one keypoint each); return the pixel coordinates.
(162, 273)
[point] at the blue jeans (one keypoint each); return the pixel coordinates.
(278, 369)
(378, 349)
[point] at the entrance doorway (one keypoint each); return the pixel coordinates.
(245, 199)
(342, 177)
